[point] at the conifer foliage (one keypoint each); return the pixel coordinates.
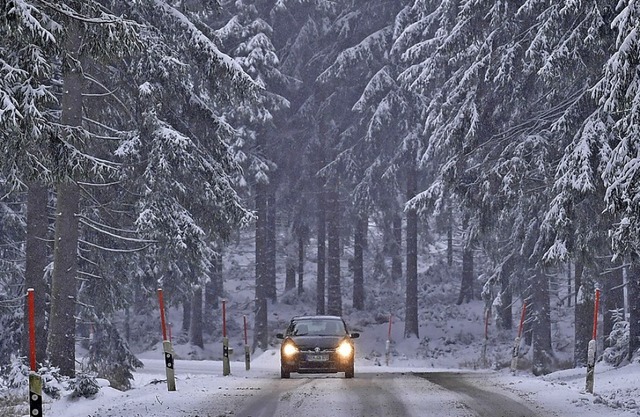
(158, 128)
(88, 111)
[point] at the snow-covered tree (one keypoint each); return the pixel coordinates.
(12, 298)
(42, 145)
(503, 104)
(619, 105)
(247, 37)
(169, 95)
(300, 33)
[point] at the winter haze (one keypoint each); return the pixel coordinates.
(458, 179)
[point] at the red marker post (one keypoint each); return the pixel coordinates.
(226, 367)
(247, 353)
(591, 354)
(166, 346)
(35, 382)
(516, 343)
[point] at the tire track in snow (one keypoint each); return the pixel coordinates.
(483, 402)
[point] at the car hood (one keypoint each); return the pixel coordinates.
(311, 342)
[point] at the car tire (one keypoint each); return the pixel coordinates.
(284, 374)
(349, 373)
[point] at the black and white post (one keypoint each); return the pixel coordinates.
(166, 347)
(226, 366)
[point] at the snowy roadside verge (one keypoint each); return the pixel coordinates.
(615, 392)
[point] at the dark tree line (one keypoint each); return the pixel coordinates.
(506, 129)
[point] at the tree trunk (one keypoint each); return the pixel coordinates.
(62, 324)
(506, 295)
(359, 244)
(466, 288)
(213, 288)
(210, 299)
(61, 347)
(261, 336)
(569, 281)
(527, 328)
(187, 309)
(219, 279)
(195, 331)
(543, 357)
(290, 275)
(301, 245)
(612, 298)
(270, 247)
(411, 300)
(208, 312)
(290, 257)
(396, 248)
(583, 317)
(633, 283)
(321, 245)
(578, 268)
(127, 324)
(36, 262)
(449, 236)
(334, 292)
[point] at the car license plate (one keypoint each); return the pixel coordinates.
(317, 358)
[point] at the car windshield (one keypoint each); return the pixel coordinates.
(318, 327)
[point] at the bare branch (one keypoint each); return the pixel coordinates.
(84, 221)
(69, 12)
(93, 245)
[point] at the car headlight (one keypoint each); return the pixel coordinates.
(289, 349)
(345, 349)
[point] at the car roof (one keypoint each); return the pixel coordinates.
(316, 317)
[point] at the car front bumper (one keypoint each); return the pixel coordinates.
(316, 362)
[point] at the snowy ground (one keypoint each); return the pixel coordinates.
(200, 383)
(201, 386)
(452, 339)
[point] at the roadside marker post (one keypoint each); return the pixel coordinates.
(35, 381)
(226, 367)
(35, 394)
(591, 353)
(166, 347)
(516, 343)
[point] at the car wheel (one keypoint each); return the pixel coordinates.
(284, 374)
(349, 372)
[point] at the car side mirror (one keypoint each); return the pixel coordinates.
(355, 335)
(279, 336)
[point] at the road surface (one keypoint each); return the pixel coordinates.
(374, 392)
(385, 395)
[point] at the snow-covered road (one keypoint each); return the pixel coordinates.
(373, 392)
(384, 395)
(382, 391)
(202, 392)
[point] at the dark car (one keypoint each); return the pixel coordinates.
(317, 344)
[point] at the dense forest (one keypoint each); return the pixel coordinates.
(137, 136)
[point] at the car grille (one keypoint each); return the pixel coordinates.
(322, 359)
